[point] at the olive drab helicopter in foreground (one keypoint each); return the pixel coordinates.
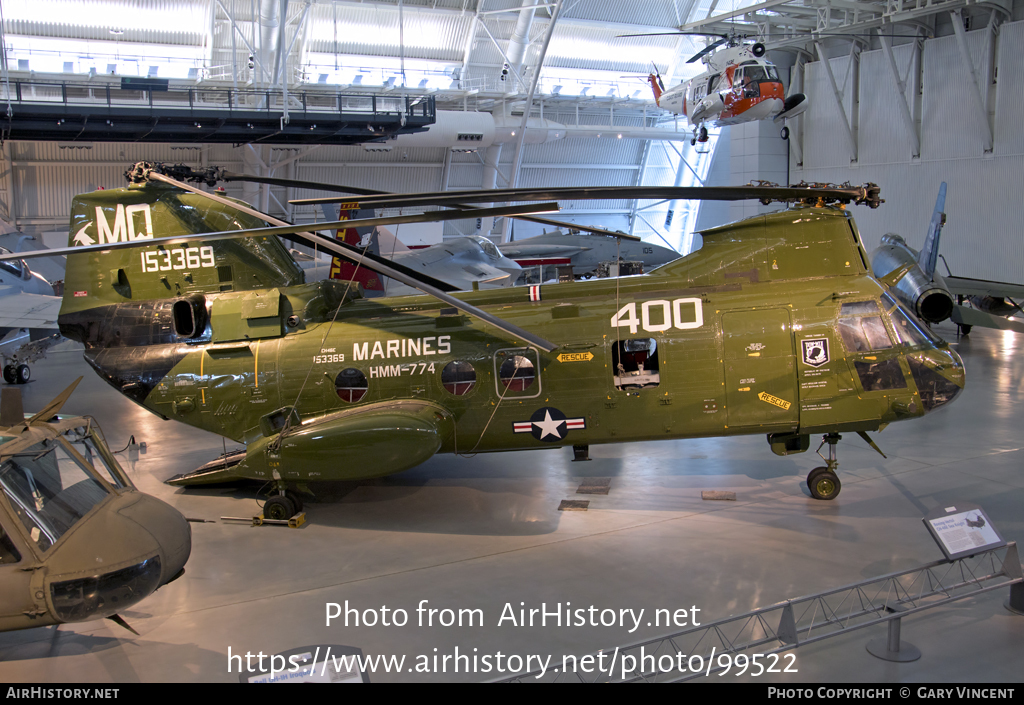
(78, 542)
(190, 306)
(739, 85)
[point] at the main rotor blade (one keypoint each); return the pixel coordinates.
(866, 194)
(389, 269)
(314, 185)
(707, 50)
(293, 183)
(574, 226)
(674, 34)
(432, 216)
(513, 330)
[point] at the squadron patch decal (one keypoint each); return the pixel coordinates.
(548, 424)
(815, 351)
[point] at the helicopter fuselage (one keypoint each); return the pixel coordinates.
(737, 87)
(774, 326)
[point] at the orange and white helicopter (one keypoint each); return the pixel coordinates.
(739, 85)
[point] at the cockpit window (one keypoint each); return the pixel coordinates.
(49, 490)
(8, 553)
(13, 266)
(488, 247)
(858, 308)
(909, 329)
(757, 73)
(861, 332)
(82, 440)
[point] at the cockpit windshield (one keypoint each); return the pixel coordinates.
(53, 484)
(49, 491)
(861, 328)
(753, 72)
(488, 247)
(13, 266)
(911, 331)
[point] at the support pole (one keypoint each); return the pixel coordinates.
(517, 161)
(891, 648)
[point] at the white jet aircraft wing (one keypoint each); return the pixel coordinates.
(20, 310)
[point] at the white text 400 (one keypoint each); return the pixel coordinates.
(656, 316)
(178, 258)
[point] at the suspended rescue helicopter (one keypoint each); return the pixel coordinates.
(190, 306)
(739, 85)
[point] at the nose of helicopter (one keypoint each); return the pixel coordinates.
(167, 527)
(115, 558)
(939, 375)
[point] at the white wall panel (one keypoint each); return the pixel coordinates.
(950, 123)
(882, 134)
(1009, 135)
(985, 199)
(824, 141)
(984, 209)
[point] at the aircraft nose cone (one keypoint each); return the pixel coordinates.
(939, 375)
(168, 528)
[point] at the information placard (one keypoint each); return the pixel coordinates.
(962, 530)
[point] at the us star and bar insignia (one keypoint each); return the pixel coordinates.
(548, 424)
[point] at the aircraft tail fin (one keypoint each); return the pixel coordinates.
(152, 273)
(54, 407)
(345, 270)
(656, 86)
(928, 259)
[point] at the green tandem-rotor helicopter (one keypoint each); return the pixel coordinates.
(190, 306)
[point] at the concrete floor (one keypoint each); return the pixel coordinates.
(477, 533)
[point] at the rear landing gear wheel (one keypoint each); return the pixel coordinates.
(824, 484)
(784, 133)
(10, 375)
(23, 374)
(278, 507)
(965, 330)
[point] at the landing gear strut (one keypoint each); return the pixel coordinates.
(823, 481)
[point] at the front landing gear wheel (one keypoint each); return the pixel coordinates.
(824, 485)
(278, 507)
(784, 133)
(703, 137)
(295, 499)
(814, 474)
(10, 375)
(23, 374)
